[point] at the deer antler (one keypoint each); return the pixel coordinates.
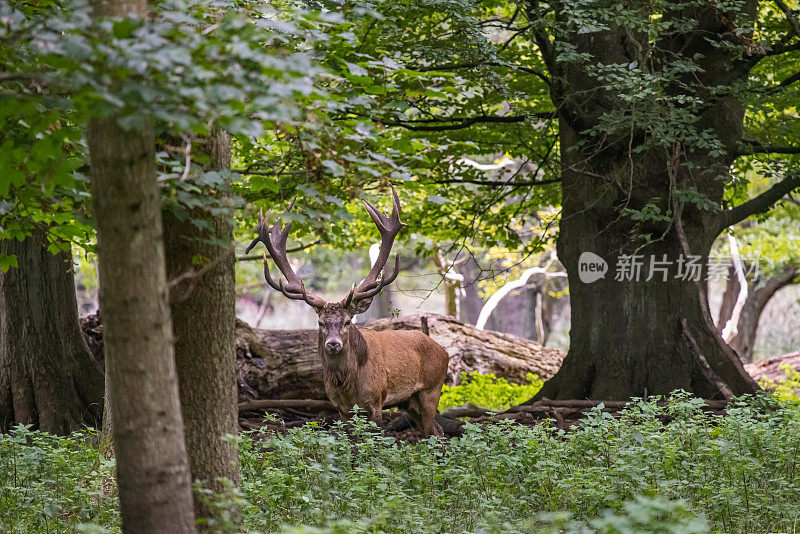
(389, 227)
(274, 239)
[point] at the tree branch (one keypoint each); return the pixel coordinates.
(463, 122)
(790, 18)
(499, 183)
(760, 203)
(298, 248)
(756, 147)
(474, 64)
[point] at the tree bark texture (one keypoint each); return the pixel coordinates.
(152, 472)
(758, 295)
(203, 322)
(635, 338)
(48, 377)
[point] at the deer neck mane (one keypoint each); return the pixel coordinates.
(341, 371)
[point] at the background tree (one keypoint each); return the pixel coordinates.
(200, 267)
(770, 255)
(48, 378)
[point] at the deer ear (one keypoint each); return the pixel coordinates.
(360, 306)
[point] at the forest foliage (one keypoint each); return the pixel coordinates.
(696, 473)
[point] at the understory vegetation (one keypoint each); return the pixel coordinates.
(690, 472)
(488, 391)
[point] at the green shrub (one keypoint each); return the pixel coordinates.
(488, 391)
(787, 390)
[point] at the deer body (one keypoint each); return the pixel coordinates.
(366, 368)
(374, 370)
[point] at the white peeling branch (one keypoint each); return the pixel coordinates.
(732, 326)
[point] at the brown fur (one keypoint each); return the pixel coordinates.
(378, 369)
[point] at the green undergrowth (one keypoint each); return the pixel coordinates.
(696, 473)
(488, 391)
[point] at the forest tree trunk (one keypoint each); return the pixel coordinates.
(203, 322)
(48, 377)
(647, 337)
(152, 472)
(758, 295)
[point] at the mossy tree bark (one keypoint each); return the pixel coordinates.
(152, 467)
(204, 322)
(48, 377)
(634, 338)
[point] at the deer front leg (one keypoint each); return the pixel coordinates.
(376, 414)
(429, 401)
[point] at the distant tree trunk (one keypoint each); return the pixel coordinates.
(451, 280)
(472, 302)
(48, 377)
(515, 314)
(153, 477)
(759, 294)
(204, 321)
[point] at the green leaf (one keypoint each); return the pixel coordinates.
(7, 262)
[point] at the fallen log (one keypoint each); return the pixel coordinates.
(770, 368)
(468, 410)
(313, 405)
(283, 364)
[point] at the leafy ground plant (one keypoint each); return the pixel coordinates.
(636, 473)
(488, 391)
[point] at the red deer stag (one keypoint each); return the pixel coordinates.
(373, 370)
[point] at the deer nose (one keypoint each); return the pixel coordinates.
(333, 346)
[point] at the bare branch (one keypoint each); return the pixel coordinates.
(471, 65)
(288, 250)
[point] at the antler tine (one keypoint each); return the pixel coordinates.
(389, 227)
(379, 285)
(274, 239)
(310, 299)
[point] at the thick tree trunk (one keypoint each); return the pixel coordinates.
(153, 477)
(628, 337)
(48, 377)
(758, 296)
(203, 322)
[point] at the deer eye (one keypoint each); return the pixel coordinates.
(321, 325)
(347, 323)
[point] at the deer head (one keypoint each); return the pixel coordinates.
(335, 318)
